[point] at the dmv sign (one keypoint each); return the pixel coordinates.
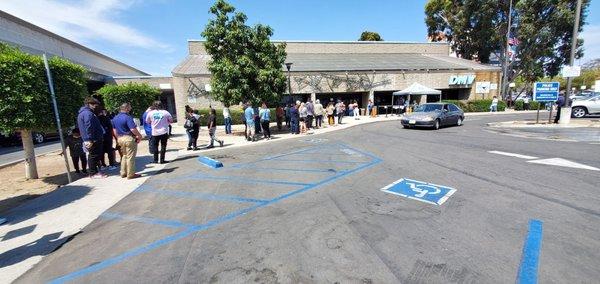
(546, 91)
(461, 80)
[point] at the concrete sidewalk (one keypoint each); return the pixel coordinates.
(42, 225)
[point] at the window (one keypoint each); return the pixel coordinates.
(453, 108)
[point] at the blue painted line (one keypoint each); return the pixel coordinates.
(333, 171)
(531, 254)
(320, 161)
(146, 248)
(201, 195)
(249, 180)
(153, 221)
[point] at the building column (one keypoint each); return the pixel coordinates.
(313, 97)
(372, 95)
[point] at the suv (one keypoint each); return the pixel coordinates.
(584, 107)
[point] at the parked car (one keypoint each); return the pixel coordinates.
(581, 108)
(583, 96)
(38, 137)
(434, 115)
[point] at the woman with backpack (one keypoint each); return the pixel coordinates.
(192, 128)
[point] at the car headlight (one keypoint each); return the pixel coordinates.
(428, 118)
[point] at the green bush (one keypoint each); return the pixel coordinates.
(236, 116)
(477, 105)
(140, 96)
(25, 102)
(533, 105)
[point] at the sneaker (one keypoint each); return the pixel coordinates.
(221, 143)
(84, 172)
(98, 176)
(112, 168)
(164, 162)
(189, 148)
(210, 147)
(134, 176)
(77, 172)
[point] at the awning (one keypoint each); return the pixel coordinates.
(417, 89)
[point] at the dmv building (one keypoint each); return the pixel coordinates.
(360, 71)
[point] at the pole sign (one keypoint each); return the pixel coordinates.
(571, 71)
(546, 91)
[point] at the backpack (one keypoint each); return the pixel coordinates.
(190, 122)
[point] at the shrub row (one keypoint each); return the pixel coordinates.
(477, 105)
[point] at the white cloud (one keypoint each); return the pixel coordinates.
(83, 21)
(591, 37)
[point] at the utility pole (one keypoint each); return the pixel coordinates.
(504, 88)
(565, 112)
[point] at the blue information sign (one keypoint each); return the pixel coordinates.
(546, 91)
(421, 191)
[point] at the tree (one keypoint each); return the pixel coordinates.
(477, 28)
(26, 104)
(139, 95)
(370, 36)
(245, 65)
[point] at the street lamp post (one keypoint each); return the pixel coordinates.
(565, 112)
(288, 65)
(504, 88)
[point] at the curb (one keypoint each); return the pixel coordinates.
(22, 160)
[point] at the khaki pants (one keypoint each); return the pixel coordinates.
(129, 150)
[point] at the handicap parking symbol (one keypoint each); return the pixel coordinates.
(421, 191)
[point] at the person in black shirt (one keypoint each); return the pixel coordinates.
(107, 142)
(212, 129)
(75, 145)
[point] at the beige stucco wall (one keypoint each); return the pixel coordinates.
(156, 82)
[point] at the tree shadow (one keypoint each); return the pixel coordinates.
(42, 246)
(52, 200)
(62, 179)
(18, 232)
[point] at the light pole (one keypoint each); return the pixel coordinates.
(565, 112)
(505, 67)
(288, 65)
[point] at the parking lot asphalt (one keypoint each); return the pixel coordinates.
(312, 210)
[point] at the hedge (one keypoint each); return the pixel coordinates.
(477, 105)
(236, 116)
(533, 105)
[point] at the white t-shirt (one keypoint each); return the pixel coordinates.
(226, 113)
(160, 120)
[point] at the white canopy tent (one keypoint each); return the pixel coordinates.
(417, 89)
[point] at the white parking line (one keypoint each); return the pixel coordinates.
(513, 155)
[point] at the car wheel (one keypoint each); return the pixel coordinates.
(38, 138)
(406, 126)
(579, 112)
(459, 122)
(436, 124)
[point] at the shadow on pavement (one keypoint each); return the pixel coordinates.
(47, 202)
(42, 246)
(18, 232)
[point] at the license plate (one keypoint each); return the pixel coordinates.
(412, 121)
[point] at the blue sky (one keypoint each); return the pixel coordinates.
(152, 34)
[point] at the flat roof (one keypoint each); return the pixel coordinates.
(343, 41)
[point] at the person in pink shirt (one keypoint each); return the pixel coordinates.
(160, 120)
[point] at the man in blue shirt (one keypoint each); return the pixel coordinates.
(249, 114)
(127, 135)
(92, 134)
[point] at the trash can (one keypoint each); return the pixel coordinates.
(362, 112)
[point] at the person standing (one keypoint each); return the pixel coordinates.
(287, 115)
(160, 120)
(319, 111)
(279, 112)
(310, 114)
(75, 145)
(560, 103)
(295, 118)
(192, 128)
(330, 111)
(356, 110)
(92, 134)
(107, 140)
(148, 128)
(250, 127)
(227, 119)
(494, 105)
(303, 112)
(340, 108)
(526, 103)
(370, 109)
(257, 129)
(127, 135)
(265, 121)
(244, 121)
(212, 129)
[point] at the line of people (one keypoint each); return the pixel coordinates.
(95, 131)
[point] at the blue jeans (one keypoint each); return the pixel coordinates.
(228, 125)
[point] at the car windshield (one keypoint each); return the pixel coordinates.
(428, 108)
